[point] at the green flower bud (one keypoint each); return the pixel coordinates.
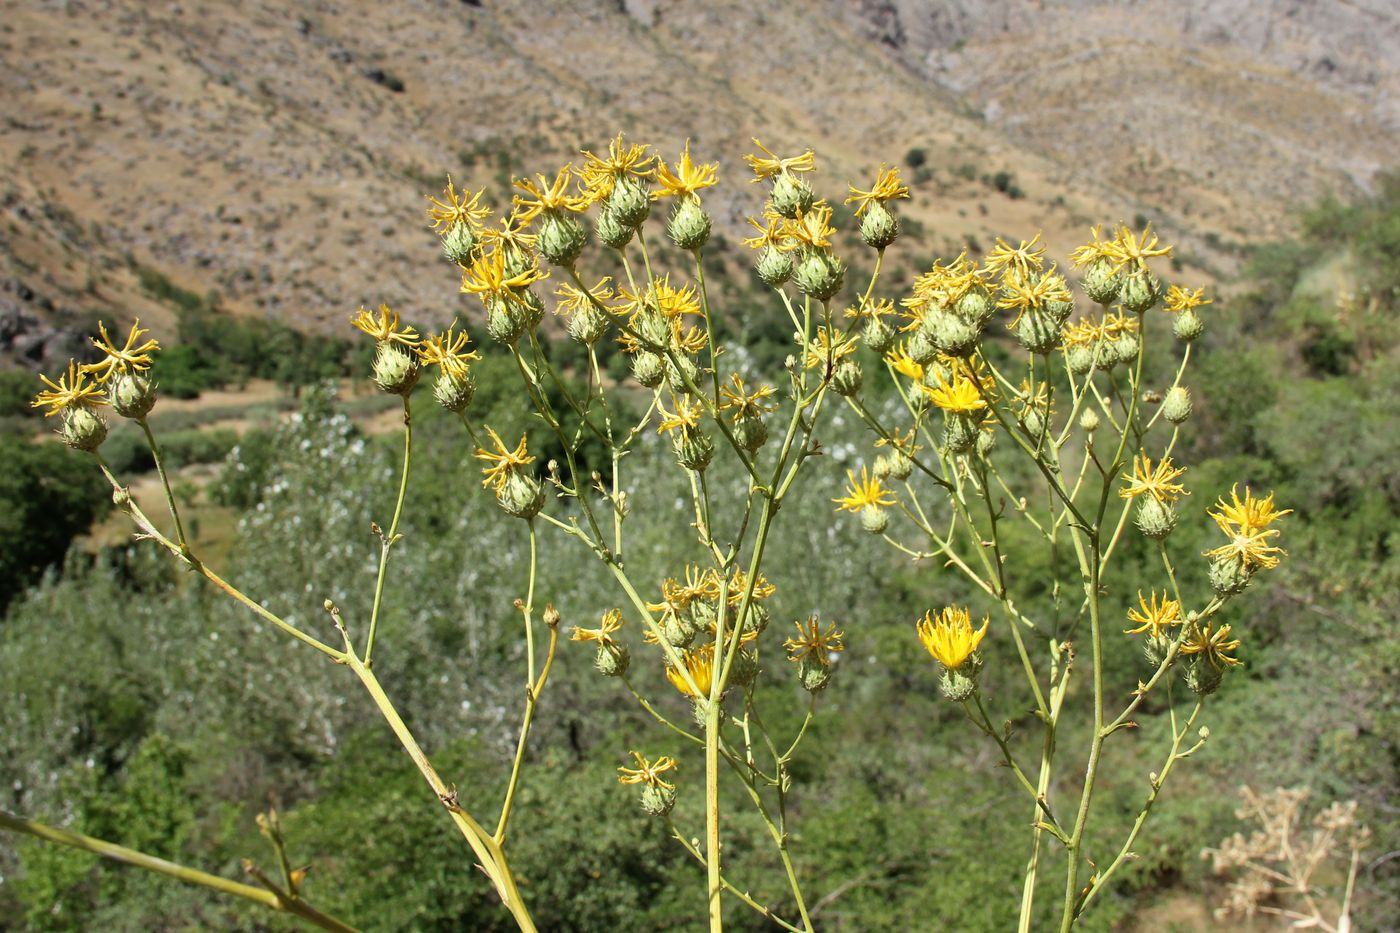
(1038, 332)
(1100, 282)
(874, 519)
(895, 464)
(533, 308)
(689, 225)
(1033, 421)
(976, 306)
(678, 633)
(878, 228)
(757, 619)
(131, 395)
(774, 266)
(1155, 519)
(82, 428)
(745, 670)
(458, 243)
(1105, 357)
(1059, 311)
(921, 347)
(959, 684)
(612, 231)
(693, 450)
(678, 370)
(701, 615)
(629, 203)
(454, 390)
(813, 673)
(1089, 421)
(1139, 292)
(588, 325)
(791, 196)
(505, 321)
(561, 238)
(750, 432)
(518, 261)
(648, 368)
(1202, 677)
(1126, 348)
(819, 275)
(1188, 325)
(1177, 407)
(653, 330)
(612, 660)
(658, 799)
(847, 378)
(1155, 648)
(878, 335)
(521, 496)
(1228, 576)
(1080, 360)
(986, 443)
(959, 432)
(395, 370)
(951, 333)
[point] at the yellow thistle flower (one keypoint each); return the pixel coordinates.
(455, 208)
(511, 234)
(70, 391)
(1016, 261)
(868, 310)
(384, 327)
(1098, 249)
(887, 187)
(129, 358)
(1023, 295)
(962, 397)
(769, 165)
(686, 417)
(739, 582)
(900, 441)
(771, 233)
(687, 179)
(647, 772)
(662, 297)
(502, 461)
(1211, 645)
(1154, 616)
(573, 300)
(1136, 249)
(1246, 523)
(812, 229)
(904, 364)
(1251, 548)
(829, 346)
(812, 639)
(1179, 299)
(951, 639)
(447, 350)
(863, 492)
(600, 173)
(486, 277)
(548, 196)
(1251, 514)
(610, 622)
(700, 663)
(743, 402)
(1155, 481)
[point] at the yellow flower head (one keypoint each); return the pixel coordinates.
(447, 350)
(887, 187)
(1154, 616)
(1098, 249)
(1154, 481)
(662, 297)
(503, 462)
(768, 165)
(687, 179)
(871, 310)
(1179, 299)
(600, 173)
(647, 772)
(70, 391)
(128, 358)
(904, 364)
(773, 232)
(1246, 523)
(745, 404)
(829, 347)
(863, 492)
(902, 442)
(611, 622)
(686, 417)
(1032, 293)
(384, 327)
(487, 277)
(813, 640)
(544, 196)
(700, 664)
(455, 208)
(962, 396)
(1016, 261)
(573, 300)
(1136, 249)
(1213, 646)
(510, 234)
(812, 229)
(950, 638)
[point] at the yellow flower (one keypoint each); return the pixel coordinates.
(813, 640)
(686, 417)
(812, 229)
(863, 492)
(662, 297)
(1155, 617)
(700, 663)
(573, 300)
(951, 639)
(1252, 514)
(867, 310)
(503, 461)
(487, 278)
(129, 358)
(1024, 295)
(773, 233)
(610, 623)
(886, 188)
(1134, 249)
(769, 165)
(511, 234)
(1211, 645)
(1018, 261)
(447, 350)
(1246, 523)
(1179, 299)
(71, 390)
(739, 582)
(687, 179)
(1155, 481)
(1251, 548)
(546, 196)
(600, 173)
(456, 208)
(904, 364)
(829, 347)
(1098, 249)
(904, 443)
(961, 397)
(746, 404)
(384, 328)
(647, 772)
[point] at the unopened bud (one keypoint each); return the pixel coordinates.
(792, 197)
(1177, 407)
(689, 225)
(561, 238)
(131, 395)
(879, 228)
(395, 370)
(1188, 325)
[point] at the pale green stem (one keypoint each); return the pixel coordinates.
(165, 484)
(388, 539)
(741, 895)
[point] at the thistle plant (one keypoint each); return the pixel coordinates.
(1076, 440)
